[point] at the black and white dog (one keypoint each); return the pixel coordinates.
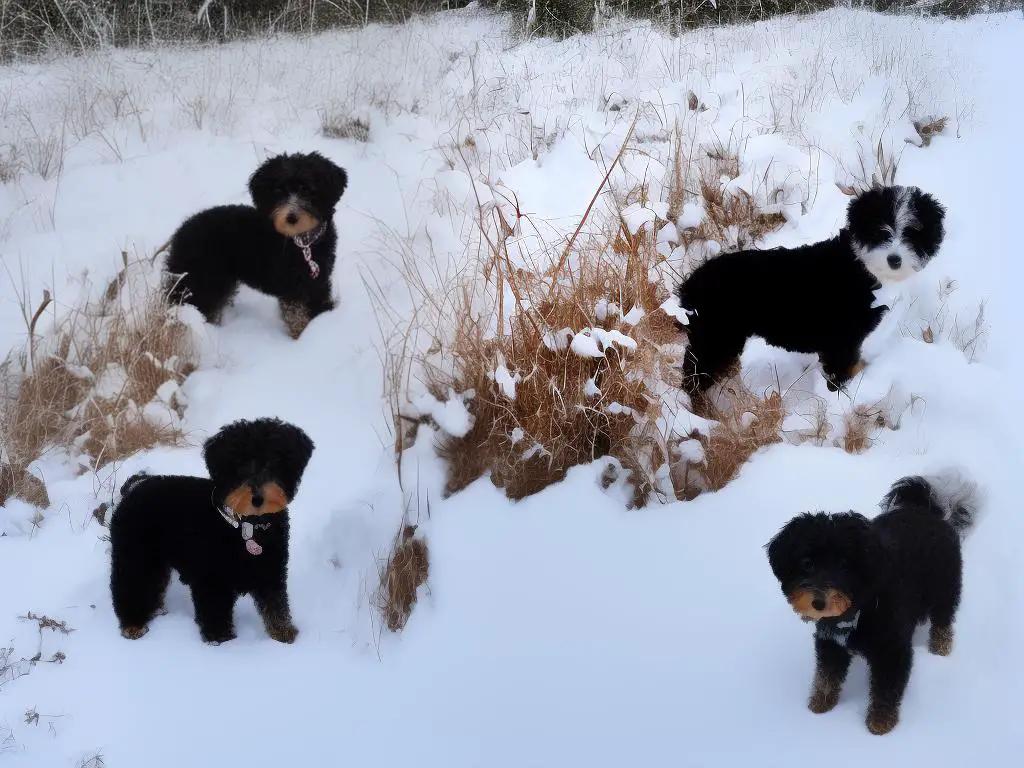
(813, 299)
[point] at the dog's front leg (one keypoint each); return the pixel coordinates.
(215, 608)
(833, 662)
(272, 603)
(297, 313)
(890, 672)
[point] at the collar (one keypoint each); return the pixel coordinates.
(229, 515)
(837, 630)
(245, 528)
(305, 243)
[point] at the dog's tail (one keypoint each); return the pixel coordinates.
(951, 494)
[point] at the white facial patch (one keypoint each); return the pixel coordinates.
(893, 260)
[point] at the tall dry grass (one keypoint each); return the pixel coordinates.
(103, 384)
(575, 359)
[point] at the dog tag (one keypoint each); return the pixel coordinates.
(246, 531)
(252, 547)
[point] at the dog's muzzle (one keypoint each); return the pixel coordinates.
(813, 603)
(293, 219)
(255, 500)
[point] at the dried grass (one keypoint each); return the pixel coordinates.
(567, 409)
(345, 127)
(928, 128)
(404, 572)
(102, 384)
(586, 364)
(733, 219)
(751, 422)
(860, 425)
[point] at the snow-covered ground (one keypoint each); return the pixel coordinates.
(562, 630)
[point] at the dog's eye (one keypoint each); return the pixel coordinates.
(806, 563)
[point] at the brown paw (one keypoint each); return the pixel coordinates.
(824, 696)
(296, 318)
(822, 702)
(285, 634)
(133, 633)
(882, 720)
(940, 641)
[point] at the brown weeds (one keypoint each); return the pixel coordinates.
(405, 570)
(586, 364)
(928, 128)
(567, 382)
(345, 127)
(103, 383)
(733, 218)
(750, 423)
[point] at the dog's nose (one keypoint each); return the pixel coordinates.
(894, 261)
(293, 218)
(817, 603)
(257, 501)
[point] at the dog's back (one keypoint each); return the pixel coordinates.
(156, 511)
(797, 298)
(922, 523)
(222, 234)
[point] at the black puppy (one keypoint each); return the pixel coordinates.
(869, 583)
(814, 299)
(283, 247)
(226, 536)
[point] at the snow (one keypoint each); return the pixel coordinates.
(562, 629)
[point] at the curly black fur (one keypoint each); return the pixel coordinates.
(171, 522)
(899, 570)
(812, 299)
(215, 250)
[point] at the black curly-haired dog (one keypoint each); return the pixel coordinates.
(813, 299)
(283, 245)
(225, 536)
(869, 583)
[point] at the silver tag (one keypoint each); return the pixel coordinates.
(246, 531)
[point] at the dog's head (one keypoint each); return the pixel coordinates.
(298, 191)
(895, 231)
(826, 564)
(256, 466)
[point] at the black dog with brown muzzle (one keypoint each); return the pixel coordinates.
(867, 584)
(225, 536)
(283, 245)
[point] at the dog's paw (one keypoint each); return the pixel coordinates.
(940, 641)
(881, 720)
(823, 699)
(822, 702)
(285, 634)
(133, 633)
(824, 693)
(226, 637)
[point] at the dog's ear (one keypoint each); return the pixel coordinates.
(782, 549)
(295, 448)
(263, 180)
(868, 213)
(930, 215)
(331, 178)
